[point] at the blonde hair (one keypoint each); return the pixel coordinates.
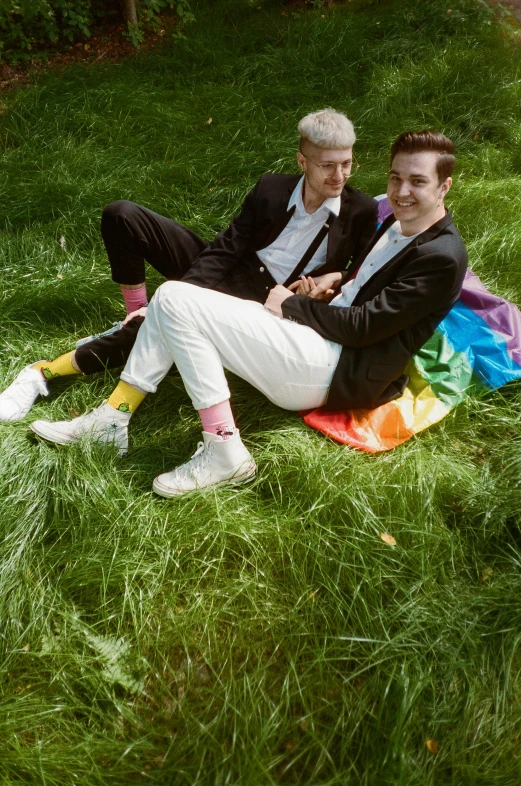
(327, 128)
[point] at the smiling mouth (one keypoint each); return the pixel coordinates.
(403, 204)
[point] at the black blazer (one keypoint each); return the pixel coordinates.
(391, 317)
(230, 264)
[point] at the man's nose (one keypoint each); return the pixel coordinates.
(404, 188)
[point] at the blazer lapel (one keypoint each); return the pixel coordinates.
(355, 264)
(280, 217)
(423, 237)
(337, 228)
(280, 223)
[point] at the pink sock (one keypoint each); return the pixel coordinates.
(218, 420)
(134, 298)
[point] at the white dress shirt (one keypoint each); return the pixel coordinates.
(390, 244)
(283, 255)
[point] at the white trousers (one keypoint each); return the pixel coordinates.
(203, 332)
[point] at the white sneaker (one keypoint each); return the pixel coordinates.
(103, 424)
(16, 400)
(215, 461)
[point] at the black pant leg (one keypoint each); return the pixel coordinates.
(108, 351)
(133, 234)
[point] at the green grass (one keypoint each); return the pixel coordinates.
(264, 635)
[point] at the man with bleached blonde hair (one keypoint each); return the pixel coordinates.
(265, 242)
(289, 226)
(328, 129)
(350, 351)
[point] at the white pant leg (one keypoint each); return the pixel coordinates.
(203, 331)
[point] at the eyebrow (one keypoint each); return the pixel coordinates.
(394, 172)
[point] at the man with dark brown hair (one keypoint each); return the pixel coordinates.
(299, 350)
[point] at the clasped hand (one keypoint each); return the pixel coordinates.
(319, 288)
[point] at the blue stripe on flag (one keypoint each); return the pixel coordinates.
(486, 349)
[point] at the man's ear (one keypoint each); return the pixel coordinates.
(445, 187)
(301, 161)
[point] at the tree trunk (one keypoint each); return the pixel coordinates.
(129, 12)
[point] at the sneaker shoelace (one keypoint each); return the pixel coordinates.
(93, 417)
(199, 461)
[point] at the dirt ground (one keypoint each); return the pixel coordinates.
(107, 44)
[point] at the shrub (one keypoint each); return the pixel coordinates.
(26, 25)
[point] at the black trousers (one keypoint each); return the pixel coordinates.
(108, 351)
(132, 235)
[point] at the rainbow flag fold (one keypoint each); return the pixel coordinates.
(476, 347)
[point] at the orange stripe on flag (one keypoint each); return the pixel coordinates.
(383, 428)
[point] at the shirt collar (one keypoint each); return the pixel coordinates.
(332, 204)
(397, 229)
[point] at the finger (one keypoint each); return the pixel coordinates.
(327, 295)
(130, 316)
(316, 291)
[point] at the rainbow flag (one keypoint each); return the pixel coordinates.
(476, 347)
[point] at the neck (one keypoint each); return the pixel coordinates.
(409, 228)
(311, 200)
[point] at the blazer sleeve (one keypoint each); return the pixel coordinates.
(229, 246)
(423, 286)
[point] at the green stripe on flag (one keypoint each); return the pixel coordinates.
(448, 373)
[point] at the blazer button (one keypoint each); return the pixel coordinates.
(261, 269)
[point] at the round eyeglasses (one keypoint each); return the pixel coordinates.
(329, 168)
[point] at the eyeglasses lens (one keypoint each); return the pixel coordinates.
(330, 169)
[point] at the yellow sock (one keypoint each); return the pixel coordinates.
(125, 398)
(61, 367)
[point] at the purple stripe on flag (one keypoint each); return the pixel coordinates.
(384, 209)
(497, 313)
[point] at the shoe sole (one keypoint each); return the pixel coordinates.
(169, 493)
(41, 429)
(49, 434)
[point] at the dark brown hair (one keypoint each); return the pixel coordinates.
(428, 142)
